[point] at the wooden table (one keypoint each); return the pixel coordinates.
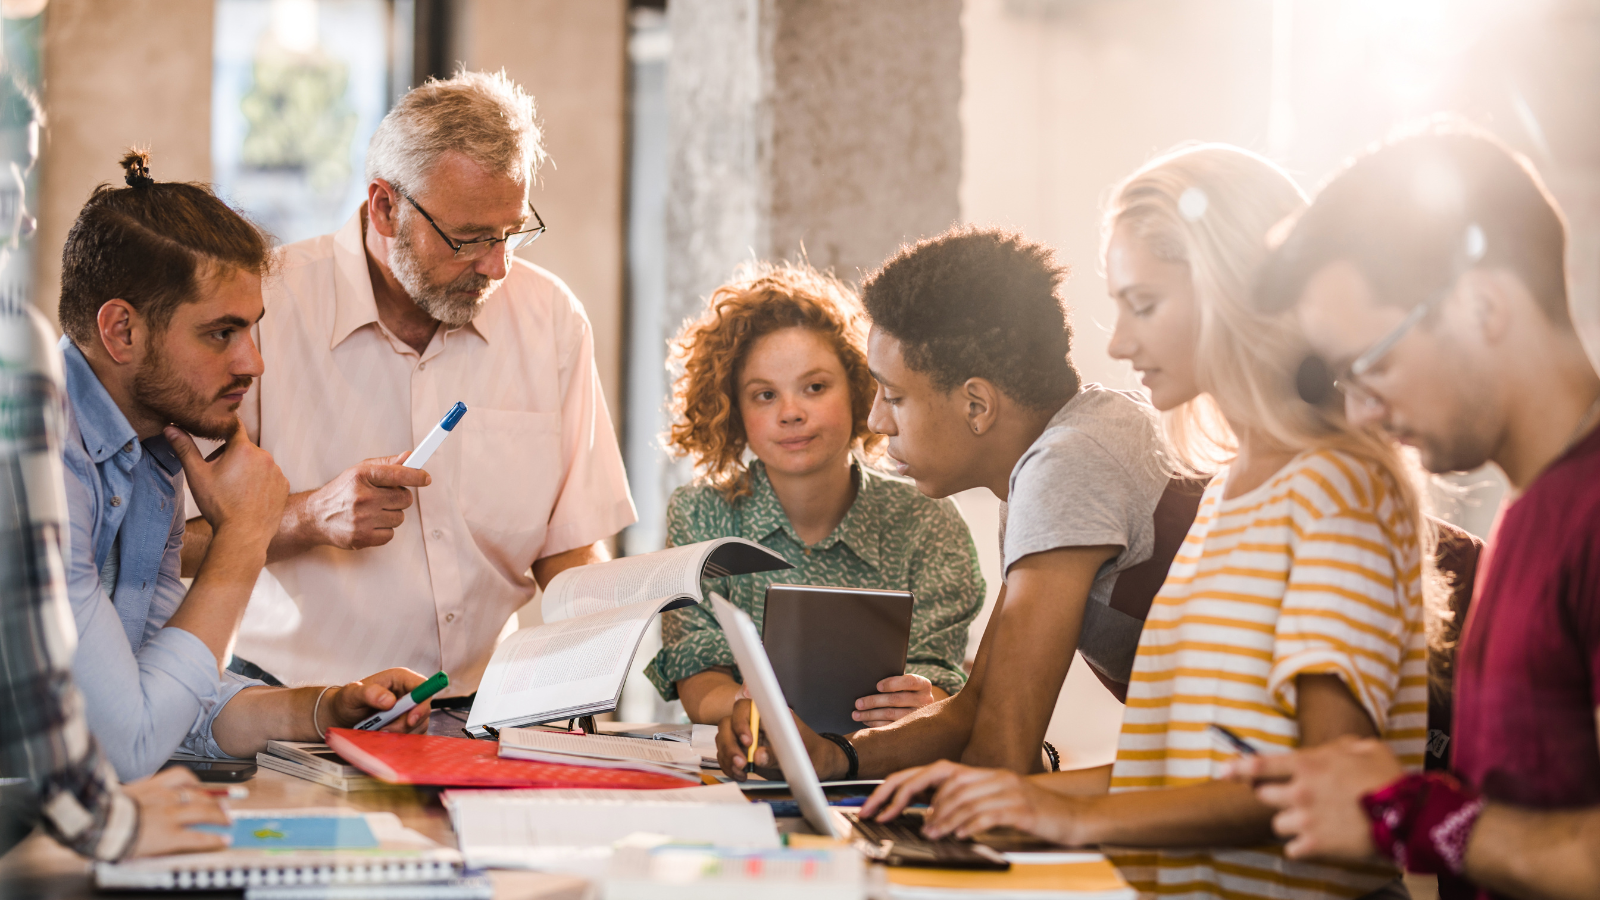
(39, 868)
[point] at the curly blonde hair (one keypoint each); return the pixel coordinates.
(710, 351)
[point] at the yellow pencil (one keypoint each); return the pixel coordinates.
(755, 731)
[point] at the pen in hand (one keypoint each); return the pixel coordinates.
(755, 732)
(420, 456)
(1238, 743)
(405, 704)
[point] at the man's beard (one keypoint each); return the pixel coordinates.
(161, 390)
(1460, 455)
(456, 303)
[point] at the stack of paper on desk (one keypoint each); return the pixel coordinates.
(575, 830)
(315, 762)
(702, 737)
(602, 751)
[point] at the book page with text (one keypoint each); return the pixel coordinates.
(619, 582)
(560, 665)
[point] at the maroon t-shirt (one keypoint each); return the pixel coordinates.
(1528, 669)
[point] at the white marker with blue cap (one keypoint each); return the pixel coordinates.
(420, 456)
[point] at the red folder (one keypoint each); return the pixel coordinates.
(460, 762)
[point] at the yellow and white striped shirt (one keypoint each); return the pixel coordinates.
(1316, 571)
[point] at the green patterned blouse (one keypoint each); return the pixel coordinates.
(892, 538)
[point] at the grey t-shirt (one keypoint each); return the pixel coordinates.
(1092, 478)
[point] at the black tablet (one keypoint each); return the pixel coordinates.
(831, 645)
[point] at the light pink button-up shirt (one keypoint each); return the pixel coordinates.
(532, 470)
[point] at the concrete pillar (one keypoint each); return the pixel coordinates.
(825, 124)
(118, 74)
(572, 57)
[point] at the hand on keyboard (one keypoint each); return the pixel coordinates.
(901, 843)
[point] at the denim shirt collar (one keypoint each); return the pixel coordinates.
(105, 429)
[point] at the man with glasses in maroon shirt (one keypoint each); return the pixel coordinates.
(1430, 278)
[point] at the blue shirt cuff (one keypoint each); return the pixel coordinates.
(200, 740)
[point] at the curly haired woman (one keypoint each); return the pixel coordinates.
(776, 365)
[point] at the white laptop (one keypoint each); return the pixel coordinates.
(776, 721)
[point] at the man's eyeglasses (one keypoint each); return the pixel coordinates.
(480, 248)
(1314, 380)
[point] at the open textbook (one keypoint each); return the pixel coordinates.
(574, 664)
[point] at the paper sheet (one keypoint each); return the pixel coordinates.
(565, 830)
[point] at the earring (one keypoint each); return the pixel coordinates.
(975, 428)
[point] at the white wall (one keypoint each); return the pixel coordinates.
(1062, 98)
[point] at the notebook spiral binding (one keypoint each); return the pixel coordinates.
(224, 877)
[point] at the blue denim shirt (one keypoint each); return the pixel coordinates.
(148, 689)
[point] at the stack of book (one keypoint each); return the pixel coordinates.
(315, 762)
(603, 751)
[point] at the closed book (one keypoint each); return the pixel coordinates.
(604, 751)
(312, 755)
(360, 781)
(462, 762)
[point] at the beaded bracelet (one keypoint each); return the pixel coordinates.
(1053, 755)
(849, 753)
(1423, 821)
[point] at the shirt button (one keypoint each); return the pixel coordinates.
(436, 534)
(450, 618)
(116, 501)
(422, 367)
(128, 446)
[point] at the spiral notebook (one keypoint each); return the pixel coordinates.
(296, 847)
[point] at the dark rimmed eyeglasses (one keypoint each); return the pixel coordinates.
(481, 247)
(1314, 380)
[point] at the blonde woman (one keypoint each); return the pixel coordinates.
(1292, 615)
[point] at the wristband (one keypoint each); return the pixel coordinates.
(849, 753)
(321, 734)
(1423, 821)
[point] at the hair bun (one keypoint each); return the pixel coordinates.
(136, 163)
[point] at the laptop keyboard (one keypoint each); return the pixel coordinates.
(900, 843)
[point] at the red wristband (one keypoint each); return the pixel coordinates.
(1423, 821)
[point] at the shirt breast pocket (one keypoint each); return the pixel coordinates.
(511, 469)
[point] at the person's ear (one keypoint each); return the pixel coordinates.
(383, 207)
(982, 401)
(1496, 297)
(120, 327)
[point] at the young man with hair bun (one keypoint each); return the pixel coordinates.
(160, 285)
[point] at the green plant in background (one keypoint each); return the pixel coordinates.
(298, 117)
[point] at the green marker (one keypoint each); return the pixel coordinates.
(407, 703)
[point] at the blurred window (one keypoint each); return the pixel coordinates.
(298, 88)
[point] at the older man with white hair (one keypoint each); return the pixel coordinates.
(371, 333)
